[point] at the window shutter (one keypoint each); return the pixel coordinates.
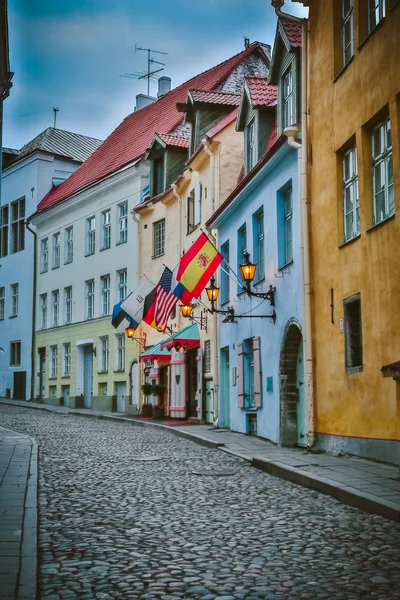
(197, 204)
(240, 376)
(257, 372)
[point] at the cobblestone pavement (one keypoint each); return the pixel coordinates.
(115, 525)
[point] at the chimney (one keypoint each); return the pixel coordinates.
(246, 43)
(164, 86)
(142, 100)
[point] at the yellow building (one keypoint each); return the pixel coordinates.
(354, 200)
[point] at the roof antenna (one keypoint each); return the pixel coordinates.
(150, 75)
(55, 110)
(246, 42)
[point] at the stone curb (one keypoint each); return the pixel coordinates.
(343, 493)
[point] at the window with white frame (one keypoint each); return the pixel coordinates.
(249, 373)
(69, 245)
(347, 30)
(120, 341)
(122, 278)
(207, 356)
(66, 359)
(68, 304)
(15, 353)
(258, 232)
(158, 238)
(2, 301)
(56, 250)
(55, 304)
(53, 361)
(288, 117)
(14, 299)
(43, 311)
(376, 12)
(106, 225)
(105, 295)
(288, 219)
(382, 172)
(251, 148)
(224, 273)
(90, 299)
(90, 235)
(353, 334)
(17, 241)
(3, 231)
(351, 202)
(104, 353)
(241, 249)
(44, 255)
(123, 222)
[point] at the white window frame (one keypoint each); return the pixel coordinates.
(90, 236)
(106, 228)
(66, 359)
(14, 288)
(288, 117)
(53, 361)
(69, 245)
(56, 250)
(259, 219)
(68, 304)
(122, 284)
(159, 238)
(347, 25)
(2, 302)
(90, 299)
(378, 9)
(55, 304)
(287, 196)
(15, 353)
(43, 311)
(44, 255)
(382, 159)
(103, 353)
(251, 147)
(17, 226)
(105, 295)
(4, 217)
(123, 222)
(120, 352)
(351, 201)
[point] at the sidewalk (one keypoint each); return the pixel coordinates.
(367, 485)
(18, 516)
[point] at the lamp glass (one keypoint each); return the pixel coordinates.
(186, 310)
(248, 270)
(212, 293)
(130, 332)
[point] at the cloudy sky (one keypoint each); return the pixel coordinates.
(70, 54)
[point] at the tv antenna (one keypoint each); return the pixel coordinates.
(150, 75)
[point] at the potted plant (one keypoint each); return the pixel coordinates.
(147, 408)
(158, 390)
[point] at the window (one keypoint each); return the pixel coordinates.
(123, 222)
(122, 285)
(251, 145)
(224, 273)
(158, 238)
(2, 295)
(56, 250)
(194, 208)
(15, 354)
(249, 373)
(104, 353)
(190, 212)
(90, 235)
(90, 299)
(351, 202)
(44, 255)
(17, 242)
(106, 218)
(158, 176)
(376, 12)
(55, 302)
(258, 242)
(14, 300)
(207, 356)
(53, 361)
(382, 172)
(69, 245)
(288, 215)
(3, 231)
(347, 30)
(241, 248)
(68, 304)
(105, 295)
(287, 99)
(120, 352)
(43, 311)
(353, 334)
(66, 360)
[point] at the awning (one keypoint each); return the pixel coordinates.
(155, 353)
(186, 338)
(392, 370)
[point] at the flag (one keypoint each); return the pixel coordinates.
(120, 320)
(196, 269)
(165, 301)
(133, 304)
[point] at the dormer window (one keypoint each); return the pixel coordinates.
(158, 176)
(287, 99)
(251, 147)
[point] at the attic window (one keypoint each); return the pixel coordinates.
(288, 99)
(158, 176)
(194, 208)
(251, 145)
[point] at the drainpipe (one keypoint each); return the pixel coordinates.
(291, 133)
(33, 332)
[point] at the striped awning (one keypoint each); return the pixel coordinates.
(155, 353)
(186, 338)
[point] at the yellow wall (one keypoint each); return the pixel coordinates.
(361, 404)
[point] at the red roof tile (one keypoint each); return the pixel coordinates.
(261, 92)
(175, 140)
(293, 32)
(132, 137)
(215, 97)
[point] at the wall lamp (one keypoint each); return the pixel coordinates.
(130, 332)
(186, 312)
(248, 270)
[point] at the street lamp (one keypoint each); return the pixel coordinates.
(186, 310)
(248, 270)
(130, 332)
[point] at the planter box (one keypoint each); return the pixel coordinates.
(158, 413)
(147, 410)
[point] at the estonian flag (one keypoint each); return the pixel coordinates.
(120, 320)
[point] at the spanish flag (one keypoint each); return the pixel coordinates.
(196, 269)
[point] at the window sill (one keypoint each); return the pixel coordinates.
(120, 243)
(42, 272)
(158, 256)
(285, 266)
(347, 242)
(13, 366)
(343, 69)
(13, 316)
(251, 409)
(371, 33)
(380, 223)
(353, 370)
(65, 376)
(192, 228)
(52, 378)
(90, 254)
(119, 371)
(53, 268)
(68, 262)
(102, 249)
(102, 372)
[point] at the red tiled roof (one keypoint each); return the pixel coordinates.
(175, 140)
(293, 32)
(129, 141)
(215, 97)
(261, 92)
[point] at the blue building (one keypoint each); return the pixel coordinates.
(261, 347)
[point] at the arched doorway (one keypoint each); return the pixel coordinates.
(293, 423)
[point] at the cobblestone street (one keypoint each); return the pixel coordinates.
(114, 523)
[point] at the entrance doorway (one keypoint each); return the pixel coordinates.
(121, 393)
(225, 395)
(20, 385)
(135, 384)
(42, 372)
(87, 375)
(191, 384)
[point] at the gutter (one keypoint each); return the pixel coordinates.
(33, 332)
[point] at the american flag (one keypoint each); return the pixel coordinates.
(165, 301)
